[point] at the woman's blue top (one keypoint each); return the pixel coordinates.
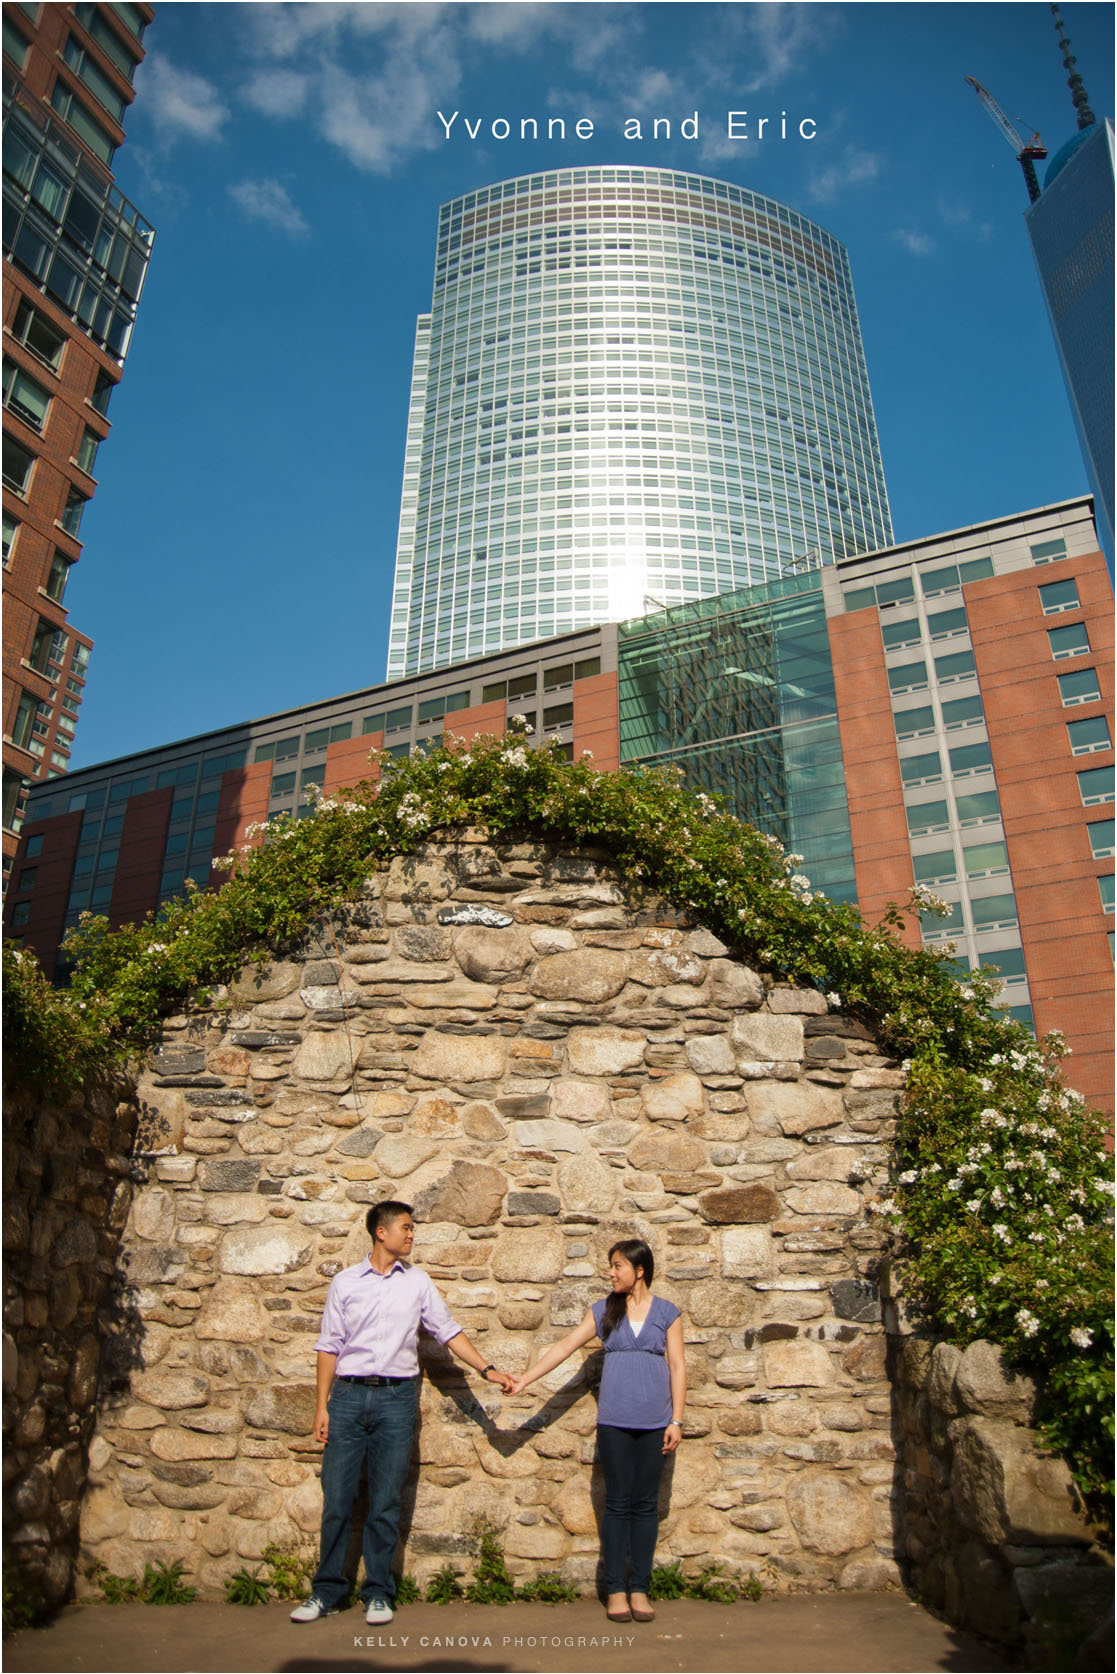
(636, 1383)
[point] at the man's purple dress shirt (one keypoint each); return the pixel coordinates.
(371, 1320)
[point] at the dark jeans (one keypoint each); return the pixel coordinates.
(377, 1425)
(633, 1464)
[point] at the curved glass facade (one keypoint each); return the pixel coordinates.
(634, 388)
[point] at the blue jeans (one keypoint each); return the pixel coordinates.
(377, 1425)
(632, 1461)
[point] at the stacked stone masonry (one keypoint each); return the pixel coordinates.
(593, 1068)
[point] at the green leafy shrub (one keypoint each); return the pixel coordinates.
(443, 1586)
(246, 1586)
(407, 1590)
(24, 1604)
(742, 886)
(115, 1589)
(292, 1568)
(548, 1588)
(491, 1582)
(162, 1583)
(667, 1581)
(712, 1586)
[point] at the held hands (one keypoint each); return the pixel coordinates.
(672, 1436)
(505, 1379)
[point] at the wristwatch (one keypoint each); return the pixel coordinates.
(485, 1370)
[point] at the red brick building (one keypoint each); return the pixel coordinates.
(75, 257)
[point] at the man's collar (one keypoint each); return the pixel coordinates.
(399, 1264)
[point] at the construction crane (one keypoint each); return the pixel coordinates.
(1028, 153)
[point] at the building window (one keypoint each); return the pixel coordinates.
(312, 776)
(909, 677)
(323, 737)
(72, 512)
(993, 911)
(25, 398)
(928, 816)
(107, 39)
(132, 19)
(1088, 736)
(937, 868)
(102, 392)
(1105, 890)
(952, 576)
(559, 715)
(985, 860)
(1095, 785)
(943, 624)
(15, 47)
(587, 668)
(282, 784)
(60, 567)
(959, 665)
(373, 723)
(1048, 552)
(915, 723)
(31, 716)
(38, 336)
(21, 912)
(49, 646)
(979, 808)
(936, 928)
(921, 770)
(11, 524)
(1009, 963)
(970, 758)
(524, 685)
(1080, 686)
(1072, 641)
(284, 749)
(398, 719)
(82, 121)
(962, 712)
(1100, 833)
(90, 73)
(17, 466)
(27, 878)
(87, 451)
(895, 635)
(1057, 596)
(899, 591)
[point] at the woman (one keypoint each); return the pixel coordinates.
(639, 1416)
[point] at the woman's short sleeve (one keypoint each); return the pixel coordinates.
(671, 1313)
(597, 1309)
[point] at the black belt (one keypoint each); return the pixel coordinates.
(375, 1382)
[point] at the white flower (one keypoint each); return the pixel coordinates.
(833, 1001)
(516, 757)
(953, 1183)
(997, 1198)
(1027, 1322)
(1105, 1186)
(1080, 1336)
(973, 1204)
(1000, 1230)
(1043, 1284)
(908, 1177)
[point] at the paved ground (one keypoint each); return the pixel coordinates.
(868, 1633)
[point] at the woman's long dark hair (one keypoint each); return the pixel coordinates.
(637, 1253)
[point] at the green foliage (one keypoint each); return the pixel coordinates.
(24, 1604)
(1003, 1191)
(291, 1569)
(548, 1588)
(162, 1583)
(407, 1590)
(491, 1582)
(443, 1586)
(667, 1581)
(710, 1584)
(115, 1589)
(742, 886)
(246, 1586)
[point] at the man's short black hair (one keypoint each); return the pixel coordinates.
(383, 1214)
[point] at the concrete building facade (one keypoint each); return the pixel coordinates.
(633, 385)
(75, 255)
(936, 713)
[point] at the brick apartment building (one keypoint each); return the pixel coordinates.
(935, 713)
(75, 256)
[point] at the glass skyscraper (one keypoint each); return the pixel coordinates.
(635, 388)
(1071, 230)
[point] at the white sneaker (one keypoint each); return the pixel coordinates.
(311, 1608)
(378, 1611)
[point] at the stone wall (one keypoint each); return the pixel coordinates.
(66, 1199)
(583, 1068)
(993, 1534)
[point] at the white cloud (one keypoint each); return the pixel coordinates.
(915, 243)
(853, 168)
(278, 92)
(180, 104)
(269, 201)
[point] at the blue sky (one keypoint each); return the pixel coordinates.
(240, 549)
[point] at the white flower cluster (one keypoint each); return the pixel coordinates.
(516, 757)
(411, 811)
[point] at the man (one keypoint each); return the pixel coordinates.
(368, 1397)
